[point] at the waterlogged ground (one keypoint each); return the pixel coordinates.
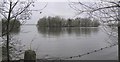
(67, 42)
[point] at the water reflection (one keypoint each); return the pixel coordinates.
(57, 31)
(81, 31)
(50, 31)
(13, 31)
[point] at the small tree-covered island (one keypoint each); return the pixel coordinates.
(61, 22)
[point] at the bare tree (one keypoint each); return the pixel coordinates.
(15, 10)
(104, 10)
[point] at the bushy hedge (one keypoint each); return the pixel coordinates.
(61, 22)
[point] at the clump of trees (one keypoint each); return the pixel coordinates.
(14, 51)
(51, 22)
(85, 22)
(13, 26)
(14, 10)
(61, 22)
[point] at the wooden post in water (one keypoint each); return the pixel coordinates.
(30, 56)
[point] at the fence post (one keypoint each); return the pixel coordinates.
(30, 56)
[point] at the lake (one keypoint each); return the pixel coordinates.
(66, 42)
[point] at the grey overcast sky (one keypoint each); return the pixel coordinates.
(54, 8)
(61, 9)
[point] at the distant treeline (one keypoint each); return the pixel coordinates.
(61, 22)
(14, 25)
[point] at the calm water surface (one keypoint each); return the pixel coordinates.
(66, 42)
